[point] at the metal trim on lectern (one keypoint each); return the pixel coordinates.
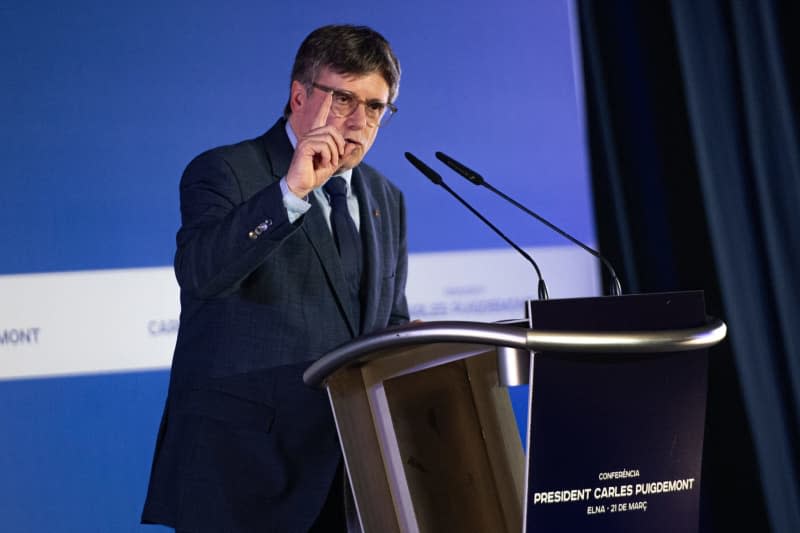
(366, 348)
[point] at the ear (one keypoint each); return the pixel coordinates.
(297, 96)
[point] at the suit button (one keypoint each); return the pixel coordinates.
(261, 228)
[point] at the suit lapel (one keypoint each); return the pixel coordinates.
(371, 232)
(279, 151)
(319, 234)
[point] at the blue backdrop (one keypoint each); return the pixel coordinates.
(104, 104)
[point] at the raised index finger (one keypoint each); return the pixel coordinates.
(322, 113)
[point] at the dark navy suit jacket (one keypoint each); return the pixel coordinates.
(243, 445)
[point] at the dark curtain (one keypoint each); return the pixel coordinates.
(693, 129)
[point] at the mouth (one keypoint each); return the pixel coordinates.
(353, 142)
(352, 149)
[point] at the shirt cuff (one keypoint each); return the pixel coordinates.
(295, 207)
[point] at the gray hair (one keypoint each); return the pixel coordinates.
(345, 49)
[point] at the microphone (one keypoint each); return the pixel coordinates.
(437, 179)
(477, 179)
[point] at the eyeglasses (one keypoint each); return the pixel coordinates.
(345, 104)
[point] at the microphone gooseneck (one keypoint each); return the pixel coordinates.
(477, 179)
(437, 179)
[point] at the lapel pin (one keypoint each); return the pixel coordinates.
(376, 212)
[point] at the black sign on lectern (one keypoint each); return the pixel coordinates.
(615, 441)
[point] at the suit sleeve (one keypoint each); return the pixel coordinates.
(224, 236)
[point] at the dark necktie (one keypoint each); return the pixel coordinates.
(346, 236)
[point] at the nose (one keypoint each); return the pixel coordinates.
(358, 118)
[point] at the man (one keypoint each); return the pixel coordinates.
(275, 271)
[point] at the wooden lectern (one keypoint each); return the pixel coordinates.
(428, 434)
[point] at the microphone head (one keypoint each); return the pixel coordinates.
(464, 170)
(425, 169)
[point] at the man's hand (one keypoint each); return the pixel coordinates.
(317, 154)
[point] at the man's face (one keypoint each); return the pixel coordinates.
(358, 132)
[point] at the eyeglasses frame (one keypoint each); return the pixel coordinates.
(390, 107)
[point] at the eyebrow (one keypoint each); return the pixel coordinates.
(354, 95)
